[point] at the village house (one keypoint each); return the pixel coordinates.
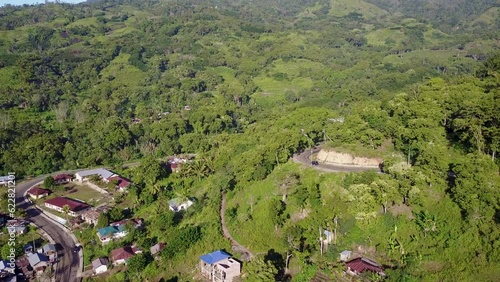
(50, 251)
(157, 248)
(121, 182)
(75, 207)
(100, 265)
(117, 230)
(37, 193)
(17, 226)
(218, 266)
(91, 216)
(63, 178)
(104, 174)
(177, 204)
(25, 268)
(121, 255)
(38, 262)
(360, 265)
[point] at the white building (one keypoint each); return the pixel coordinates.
(104, 174)
(177, 205)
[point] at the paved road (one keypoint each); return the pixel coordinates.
(69, 263)
(304, 158)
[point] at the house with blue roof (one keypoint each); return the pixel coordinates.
(219, 266)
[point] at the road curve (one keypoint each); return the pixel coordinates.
(304, 158)
(69, 262)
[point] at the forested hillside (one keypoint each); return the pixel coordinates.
(246, 84)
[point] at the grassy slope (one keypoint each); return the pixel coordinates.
(341, 8)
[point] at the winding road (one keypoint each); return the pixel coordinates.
(304, 158)
(69, 262)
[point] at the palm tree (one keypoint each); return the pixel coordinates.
(66, 210)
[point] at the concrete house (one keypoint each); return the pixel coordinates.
(38, 193)
(218, 266)
(100, 265)
(117, 230)
(177, 205)
(345, 255)
(91, 216)
(17, 226)
(50, 251)
(104, 174)
(75, 207)
(63, 178)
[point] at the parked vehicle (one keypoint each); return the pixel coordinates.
(314, 163)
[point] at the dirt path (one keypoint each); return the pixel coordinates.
(304, 158)
(237, 247)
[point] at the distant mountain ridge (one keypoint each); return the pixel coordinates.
(444, 13)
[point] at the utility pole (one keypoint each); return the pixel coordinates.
(335, 220)
(320, 242)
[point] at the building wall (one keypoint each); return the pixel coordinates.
(101, 269)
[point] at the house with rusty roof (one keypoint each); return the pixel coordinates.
(38, 193)
(58, 204)
(359, 265)
(123, 254)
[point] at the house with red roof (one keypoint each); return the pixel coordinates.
(121, 183)
(360, 265)
(121, 255)
(75, 207)
(38, 193)
(63, 178)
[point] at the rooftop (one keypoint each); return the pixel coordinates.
(99, 262)
(214, 257)
(37, 191)
(121, 182)
(122, 253)
(73, 205)
(104, 173)
(62, 177)
(363, 264)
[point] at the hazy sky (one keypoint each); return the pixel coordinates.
(21, 2)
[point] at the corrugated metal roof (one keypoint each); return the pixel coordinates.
(214, 257)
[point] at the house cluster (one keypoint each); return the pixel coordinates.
(121, 256)
(117, 257)
(33, 263)
(356, 265)
(219, 266)
(106, 176)
(117, 230)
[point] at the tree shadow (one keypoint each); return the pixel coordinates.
(278, 261)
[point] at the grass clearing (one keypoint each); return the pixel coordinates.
(120, 73)
(342, 8)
